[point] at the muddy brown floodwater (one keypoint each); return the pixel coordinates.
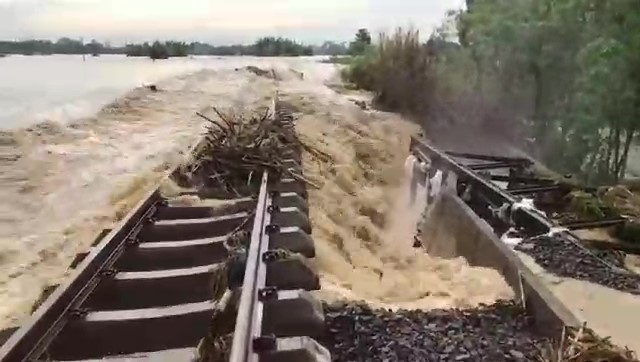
(363, 221)
(61, 184)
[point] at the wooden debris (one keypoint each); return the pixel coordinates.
(261, 72)
(216, 345)
(583, 345)
(236, 150)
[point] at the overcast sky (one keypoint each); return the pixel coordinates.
(216, 21)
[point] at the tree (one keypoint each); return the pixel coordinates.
(271, 46)
(568, 69)
(363, 36)
(361, 43)
(158, 51)
(330, 48)
(95, 47)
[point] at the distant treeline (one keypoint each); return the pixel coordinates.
(62, 46)
(267, 46)
(157, 50)
(264, 47)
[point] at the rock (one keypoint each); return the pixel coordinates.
(566, 259)
(499, 332)
(361, 104)
(516, 354)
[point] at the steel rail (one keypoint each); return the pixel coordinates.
(494, 165)
(590, 224)
(473, 156)
(534, 189)
(249, 319)
(494, 194)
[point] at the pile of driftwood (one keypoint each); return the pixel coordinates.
(236, 150)
(583, 345)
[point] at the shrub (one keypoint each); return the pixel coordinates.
(361, 71)
(405, 76)
(399, 70)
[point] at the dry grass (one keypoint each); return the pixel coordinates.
(583, 345)
(405, 73)
(243, 148)
(400, 70)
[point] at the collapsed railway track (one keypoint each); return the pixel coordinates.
(520, 210)
(497, 189)
(148, 289)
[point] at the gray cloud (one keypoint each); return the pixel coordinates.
(217, 21)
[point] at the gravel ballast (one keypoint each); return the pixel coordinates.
(566, 259)
(498, 332)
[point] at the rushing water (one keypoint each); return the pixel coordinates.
(79, 145)
(65, 87)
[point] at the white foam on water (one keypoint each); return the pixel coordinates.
(556, 230)
(436, 184)
(525, 203)
(409, 165)
(510, 240)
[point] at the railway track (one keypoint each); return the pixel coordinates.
(147, 290)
